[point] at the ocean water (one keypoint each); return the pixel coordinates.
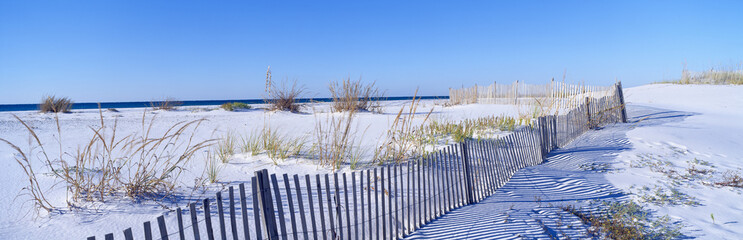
(106, 105)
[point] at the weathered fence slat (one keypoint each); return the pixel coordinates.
(319, 204)
(208, 219)
(179, 214)
(128, 234)
(300, 202)
(256, 208)
(233, 221)
(244, 211)
(279, 206)
(147, 231)
(161, 226)
(333, 233)
(194, 221)
(310, 205)
(220, 213)
(288, 191)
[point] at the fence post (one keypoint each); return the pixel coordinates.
(588, 113)
(266, 204)
(620, 92)
(467, 172)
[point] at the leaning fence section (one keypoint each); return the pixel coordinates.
(384, 202)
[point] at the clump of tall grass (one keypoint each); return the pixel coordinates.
(334, 140)
(401, 141)
(282, 97)
(235, 106)
(55, 104)
(137, 165)
(168, 104)
(251, 144)
(276, 146)
(279, 146)
(213, 168)
(226, 147)
(355, 96)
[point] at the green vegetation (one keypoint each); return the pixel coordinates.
(625, 220)
(232, 106)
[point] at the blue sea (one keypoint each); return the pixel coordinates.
(106, 105)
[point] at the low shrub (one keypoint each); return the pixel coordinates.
(56, 105)
(235, 106)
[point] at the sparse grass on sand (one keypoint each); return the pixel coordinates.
(137, 165)
(625, 220)
(403, 139)
(716, 76)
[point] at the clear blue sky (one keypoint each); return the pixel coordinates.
(148, 50)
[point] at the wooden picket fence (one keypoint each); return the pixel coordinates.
(559, 94)
(385, 202)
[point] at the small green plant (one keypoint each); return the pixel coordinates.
(280, 147)
(251, 144)
(661, 196)
(55, 104)
(213, 167)
(713, 217)
(226, 147)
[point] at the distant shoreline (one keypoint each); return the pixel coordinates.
(106, 105)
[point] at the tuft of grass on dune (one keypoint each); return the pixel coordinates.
(282, 97)
(52, 104)
(168, 104)
(715, 76)
(355, 96)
